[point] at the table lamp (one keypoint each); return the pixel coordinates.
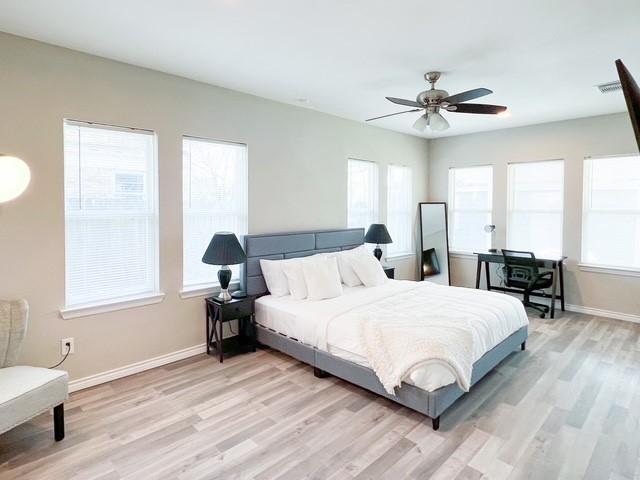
(224, 249)
(377, 234)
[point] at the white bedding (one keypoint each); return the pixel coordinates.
(332, 325)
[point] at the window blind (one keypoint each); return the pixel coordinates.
(362, 193)
(400, 209)
(215, 191)
(111, 216)
(535, 207)
(470, 207)
(611, 212)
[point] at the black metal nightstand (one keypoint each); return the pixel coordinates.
(390, 271)
(218, 312)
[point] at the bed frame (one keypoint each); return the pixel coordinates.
(301, 244)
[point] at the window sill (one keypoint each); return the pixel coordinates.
(111, 305)
(205, 290)
(627, 272)
(463, 254)
(399, 256)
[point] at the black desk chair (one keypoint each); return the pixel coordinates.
(521, 272)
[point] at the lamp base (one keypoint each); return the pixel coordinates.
(377, 252)
(224, 277)
(224, 295)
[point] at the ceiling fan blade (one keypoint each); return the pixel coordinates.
(402, 101)
(421, 123)
(392, 114)
(437, 122)
(466, 96)
(476, 108)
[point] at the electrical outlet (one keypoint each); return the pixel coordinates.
(63, 346)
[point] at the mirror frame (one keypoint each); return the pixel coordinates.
(446, 230)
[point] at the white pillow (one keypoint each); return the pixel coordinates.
(274, 277)
(347, 273)
(322, 277)
(295, 278)
(369, 270)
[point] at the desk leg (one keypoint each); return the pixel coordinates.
(553, 292)
(478, 270)
(561, 277)
(487, 272)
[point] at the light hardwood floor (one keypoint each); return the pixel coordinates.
(568, 407)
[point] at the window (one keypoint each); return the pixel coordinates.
(535, 207)
(611, 212)
(111, 214)
(362, 193)
(470, 204)
(400, 210)
(214, 199)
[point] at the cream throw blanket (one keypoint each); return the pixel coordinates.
(395, 345)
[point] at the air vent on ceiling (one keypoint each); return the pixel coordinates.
(609, 87)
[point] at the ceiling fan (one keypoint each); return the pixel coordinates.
(432, 100)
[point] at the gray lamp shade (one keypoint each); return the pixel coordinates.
(378, 234)
(224, 249)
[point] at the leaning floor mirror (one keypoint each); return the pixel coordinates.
(434, 261)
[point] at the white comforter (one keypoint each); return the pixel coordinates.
(492, 317)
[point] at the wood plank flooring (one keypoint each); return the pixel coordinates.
(568, 407)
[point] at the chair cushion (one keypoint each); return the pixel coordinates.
(28, 391)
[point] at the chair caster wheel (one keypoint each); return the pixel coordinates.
(542, 315)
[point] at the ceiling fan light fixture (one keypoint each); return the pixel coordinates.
(421, 123)
(437, 122)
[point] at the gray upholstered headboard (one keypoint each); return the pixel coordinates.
(277, 246)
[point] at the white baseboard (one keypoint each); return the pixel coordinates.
(627, 317)
(125, 371)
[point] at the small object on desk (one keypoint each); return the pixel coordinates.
(239, 294)
(220, 311)
(224, 249)
(389, 271)
(378, 234)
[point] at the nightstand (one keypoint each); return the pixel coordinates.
(390, 271)
(219, 312)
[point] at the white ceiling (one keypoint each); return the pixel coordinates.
(542, 58)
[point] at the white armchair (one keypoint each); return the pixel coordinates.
(26, 391)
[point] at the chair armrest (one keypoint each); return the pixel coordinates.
(538, 277)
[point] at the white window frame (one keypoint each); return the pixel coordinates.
(409, 214)
(375, 213)
(586, 201)
(452, 209)
(510, 200)
(208, 288)
(153, 296)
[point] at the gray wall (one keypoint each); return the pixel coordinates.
(297, 180)
(569, 140)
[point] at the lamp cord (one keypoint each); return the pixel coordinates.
(65, 357)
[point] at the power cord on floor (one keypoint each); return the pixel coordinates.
(68, 345)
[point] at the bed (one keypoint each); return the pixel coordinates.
(322, 333)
